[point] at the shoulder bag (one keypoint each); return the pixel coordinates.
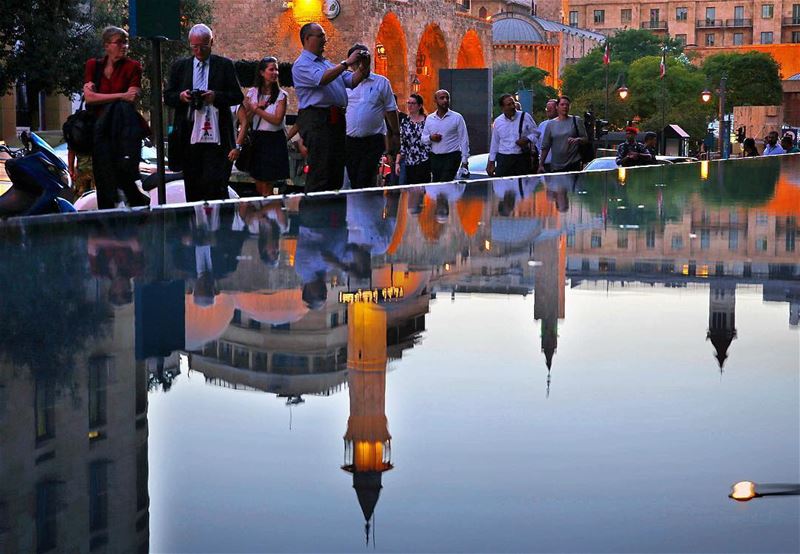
(586, 150)
(530, 151)
(78, 129)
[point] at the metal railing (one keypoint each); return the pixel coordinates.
(738, 23)
(654, 24)
(708, 23)
(791, 20)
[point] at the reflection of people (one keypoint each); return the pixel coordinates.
(446, 132)
(562, 137)
(264, 108)
(371, 108)
(558, 189)
(120, 80)
(771, 146)
(513, 132)
(749, 148)
(117, 259)
(321, 241)
(205, 124)
(632, 152)
(414, 153)
(268, 221)
(443, 196)
(322, 97)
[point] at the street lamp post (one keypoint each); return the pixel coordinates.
(724, 136)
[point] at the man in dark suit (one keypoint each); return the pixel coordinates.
(206, 165)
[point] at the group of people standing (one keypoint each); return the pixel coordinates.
(519, 146)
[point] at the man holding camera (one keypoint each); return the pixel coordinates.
(321, 88)
(202, 89)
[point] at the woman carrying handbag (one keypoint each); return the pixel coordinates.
(261, 117)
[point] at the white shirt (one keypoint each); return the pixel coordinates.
(259, 124)
(367, 105)
(505, 134)
(542, 127)
(200, 78)
(453, 131)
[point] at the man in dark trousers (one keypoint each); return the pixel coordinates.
(321, 88)
(203, 117)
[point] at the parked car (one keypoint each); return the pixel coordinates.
(610, 162)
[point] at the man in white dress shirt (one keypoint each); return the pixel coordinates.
(370, 106)
(550, 111)
(446, 132)
(513, 133)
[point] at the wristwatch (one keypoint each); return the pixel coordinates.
(343, 63)
(239, 147)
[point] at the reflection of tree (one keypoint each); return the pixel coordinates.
(664, 190)
(46, 313)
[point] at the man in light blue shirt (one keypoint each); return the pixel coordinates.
(322, 98)
(370, 107)
(771, 146)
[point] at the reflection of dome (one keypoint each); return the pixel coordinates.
(204, 324)
(514, 30)
(470, 210)
(273, 308)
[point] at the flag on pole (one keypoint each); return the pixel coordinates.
(662, 68)
(607, 55)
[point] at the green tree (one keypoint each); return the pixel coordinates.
(115, 12)
(753, 78)
(507, 78)
(42, 44)
(678, 95)
(626, 46)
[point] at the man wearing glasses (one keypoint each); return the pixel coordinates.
(321, 88)
(203, 86)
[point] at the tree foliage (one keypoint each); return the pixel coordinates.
(41, 43)
(626, 46)
(507, 79)
(753, 78)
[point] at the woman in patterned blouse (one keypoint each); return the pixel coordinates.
(412, 151)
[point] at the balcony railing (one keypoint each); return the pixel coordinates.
(654, 25)
(791, 20)
(708, 23)
(738, 23)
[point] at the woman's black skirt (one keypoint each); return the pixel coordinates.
(270, 156)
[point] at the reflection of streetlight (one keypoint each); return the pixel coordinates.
(747, 490)
(621, 174)
(704, 170)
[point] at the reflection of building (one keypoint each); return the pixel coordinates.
(722, 317)
(74, 461)
(549, 293)
(367, 440)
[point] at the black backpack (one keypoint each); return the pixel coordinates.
(78, 129)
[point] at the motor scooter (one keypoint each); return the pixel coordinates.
(40, 181)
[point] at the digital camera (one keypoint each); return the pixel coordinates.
(196, 99)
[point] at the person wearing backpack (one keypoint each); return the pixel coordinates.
(113, 78)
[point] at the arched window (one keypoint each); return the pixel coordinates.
(482, 13)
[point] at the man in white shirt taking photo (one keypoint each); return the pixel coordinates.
(446, 132)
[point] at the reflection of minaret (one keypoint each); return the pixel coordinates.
(367, 441)
(722, 318)
(548, 304)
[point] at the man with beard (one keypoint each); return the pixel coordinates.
(446, 133)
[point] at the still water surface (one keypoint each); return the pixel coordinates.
(561, 364)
